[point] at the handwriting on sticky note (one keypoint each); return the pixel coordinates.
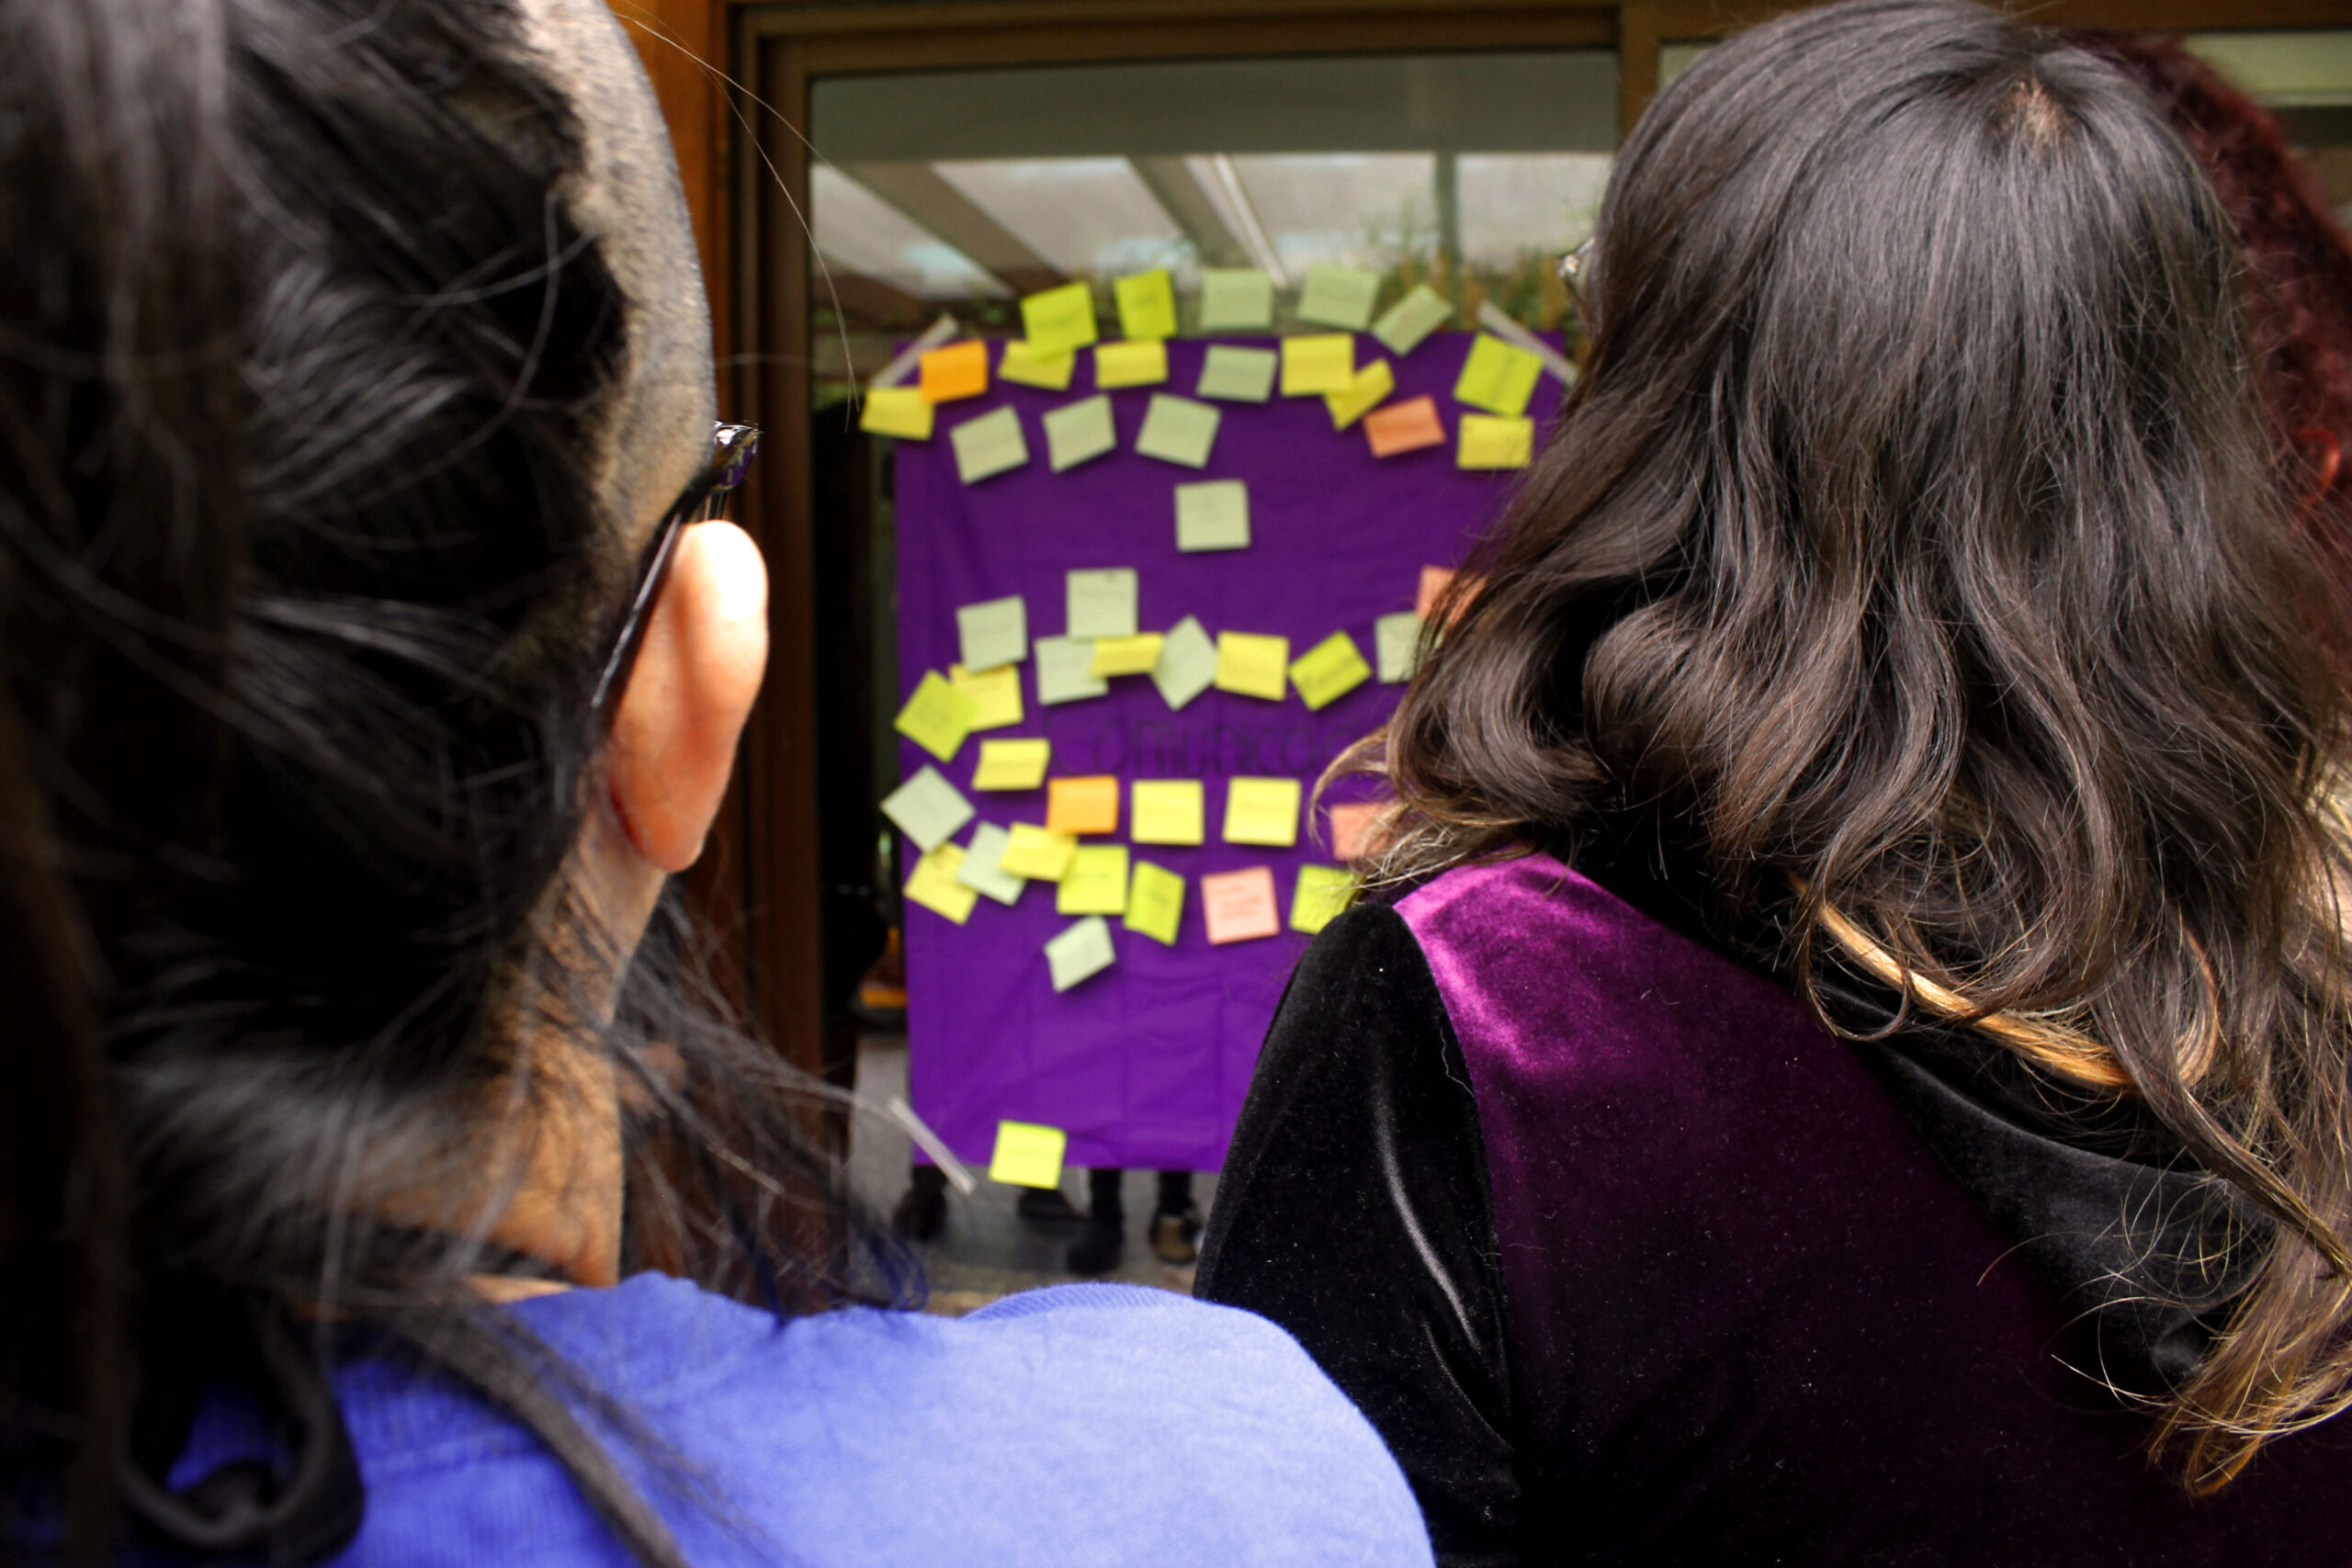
(1187, 665)
(937, 716)
(927, 808)
(1261, 811)
(1028, 1154)
(1372, 384)
(1154, 902)
(1405, 325)
(1125, 655)
(1491, 443)
(1329, 671)
(1497, 377)
(1057, 320)
(1177, 430)
(995, 694)
(1339, 296)
(1355, 829)
(1083, 804)
(1233, 374)
(1238, 906)
(1080, 953)
(1023, 363)
(1066, 669)
(902, 411)
(934, 886)
(1235, 299)
(1078, 431)
(1397, 643)
(959, 370)
(1251, 665)
(1213, 515)
(1146, 305)
(1407, 426)
(993, 632)
(1012, 764)
(1130, 364)
(989, 445)
(1315, 365)
(1037, 852)
(983, 868)
(1096, 882)
(1101, 602)
(1168, 811)
(1319, 897)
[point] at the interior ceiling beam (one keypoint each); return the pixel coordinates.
(1172, 184)
(916, 190)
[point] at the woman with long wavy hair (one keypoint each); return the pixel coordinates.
(1844, 1055)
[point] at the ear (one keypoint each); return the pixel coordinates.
(682, 711)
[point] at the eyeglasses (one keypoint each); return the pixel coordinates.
(732, 448)
(1576, 271)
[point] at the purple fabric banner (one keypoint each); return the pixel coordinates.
(1144, 1064)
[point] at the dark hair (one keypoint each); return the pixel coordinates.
(1912, 536)
(304, 365)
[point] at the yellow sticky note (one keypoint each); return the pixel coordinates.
(1088, 804)
(1261, 811)
(902, 411)
(1057, 320)
(1371, 384)
(1146, 305)
(1037, 854)
(1130, 364)
(1028, 1154)
(995, 694)
(959, 370)
(1022, 363)
(1251, 665)
(1490, 443)
(1096, 882)
(1168, 811)
(1321, 897)
(937, 716)
(1325, 362)
(1125, 655)
(934, 885)
(1154, 902)
(1497, 377)
(1329, 671)
(1012, 764)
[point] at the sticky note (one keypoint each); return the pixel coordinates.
(1339, 296)
(1077, 431)
(993, 632)
(1355, 829)
(1096, 882)
(1329, 671)
(1407, 426)
(1251, 665)
(1088, 804)
(1012, 764)
(1238, 906)
(1028, 1155)
(1146, 305)
(1022, 363)
(959, 370)
(1372, 383)
(1168, 811)
(1261, 811)
(1213, 515)
(1125, 655)
(989, 445)
(1130, 364)
(1066, 669)
(1187, 664)
(1397, 642)
(1154, 902)
(1318, 365)
(995, 694)
(1490, 442)
(983, 871)
(1080, 953)
(927, 808)
(1033, 852)
(934, 885)
(1405, 325)
(1235, 375)
(902, 411)
(1235, 299)
(1434, 581)
(1321, 895)
(1497, 377)
(1057, 320)
(1100, 602)
(1177, 430)
(937, 716)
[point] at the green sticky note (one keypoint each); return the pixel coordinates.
(1251, 665)
(1177, 430)
(1039, 853)
(1321, 896)
(1066, 669)
(1130, 364)
(1497, 377)
(937, 716)
(1168, 811)
(1081, 952)
(1100, 602)
(1076, 432)
(1028, 1154)
(1261, 811)
(989, 445)
(1012, 764)
(1213, 515)
(1060, 320)
(934, 885)
(983, 869)
(1339, 296)
(993, 632)
(1318, 365)
(1235, 299)
(1363, 394)
(1023, 363)
(1235, 375)
(1187, 663)
(1096, 882)
(1329, 671)
(1404, 326)
(1154, 902)
(927, 808)
(902, 411)
(1146, 305)
(1396, 641)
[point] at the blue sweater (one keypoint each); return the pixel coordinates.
(1084, 1424)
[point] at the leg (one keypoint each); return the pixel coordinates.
(1175, 1222)
(1099, 1244)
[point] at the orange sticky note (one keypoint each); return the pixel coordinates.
(1434, 579)
(1404, 427)
(1353, 826)
(1239, 905)
(1089, 805)
(959, 370)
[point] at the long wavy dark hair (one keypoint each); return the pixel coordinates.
(1913, 536)
(305, 369)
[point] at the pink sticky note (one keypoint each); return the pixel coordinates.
(1434, 582)
(1352, 828)
(1239, 905)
